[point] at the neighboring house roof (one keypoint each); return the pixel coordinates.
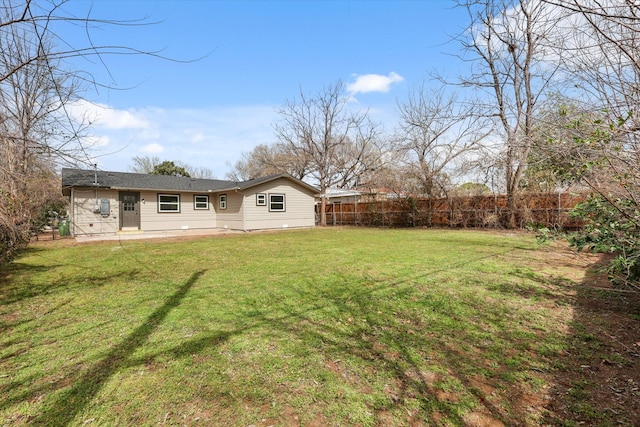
(141, 181)
(340, 192)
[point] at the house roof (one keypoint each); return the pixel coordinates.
(140, 181)
(341, 192)
(243, 185)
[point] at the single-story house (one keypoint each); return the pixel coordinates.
(103, 202)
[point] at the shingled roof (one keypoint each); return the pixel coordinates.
(140, 181)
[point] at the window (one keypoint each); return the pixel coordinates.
(168, 203)
(128, 203)
(276, 203)
(261, 199)
(223, 201)
(200, 202)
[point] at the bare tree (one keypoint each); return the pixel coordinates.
(508, 52)
(45, 21)
(36, 128)
(338, 144)
(264, 160)
(144, 164)
(601, 54)
(199, 172)
(435, 130)
(149, 165)
(603, 58)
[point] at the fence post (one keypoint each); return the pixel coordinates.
(383, 213)
(333, 212)
(355, 214)
(558, 220)
(495, 211)
(452, 214)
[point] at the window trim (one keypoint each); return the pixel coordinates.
(161, 203)
(222, 201)
(261, 199)
(283, 202)
(196, 202)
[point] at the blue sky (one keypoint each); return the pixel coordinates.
(254, 56)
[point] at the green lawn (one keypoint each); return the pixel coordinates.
(304, 327)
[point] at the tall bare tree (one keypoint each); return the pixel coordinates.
(602, 55)
(337, 144)
(36, 128)
(435, 130)
(508, 52)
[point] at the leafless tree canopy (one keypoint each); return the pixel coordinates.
(147, 164)
(506, 49)
(600, 54)
(266, 160)
(37, 128)
(44, 20)
(435, 131)
(337, 145)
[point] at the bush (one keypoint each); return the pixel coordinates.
(612, 226)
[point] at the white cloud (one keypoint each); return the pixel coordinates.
(373, 83)
(118, 119)
(153, 148)
(211, 138)
(103, 116)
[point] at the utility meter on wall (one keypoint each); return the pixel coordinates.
(104, 207)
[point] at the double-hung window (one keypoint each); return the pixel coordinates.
(168, 203)
(277, 203)
(223, 201)
(201, 202)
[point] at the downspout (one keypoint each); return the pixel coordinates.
(72, 206)
(95, 185)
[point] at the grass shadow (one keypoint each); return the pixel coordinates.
(597, 377)
(72, 401)
(442, 344)
(19, 292)
(400, 343)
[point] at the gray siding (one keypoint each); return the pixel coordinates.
(299, 207)
(188, 218)
(84, 220)
(232, 217)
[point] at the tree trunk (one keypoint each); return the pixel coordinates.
(323, 206)
(510, 220)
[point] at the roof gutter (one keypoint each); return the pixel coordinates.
(173, 189)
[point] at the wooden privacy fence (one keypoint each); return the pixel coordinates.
(546, 210)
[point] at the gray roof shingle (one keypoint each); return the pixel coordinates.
(140, 181)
